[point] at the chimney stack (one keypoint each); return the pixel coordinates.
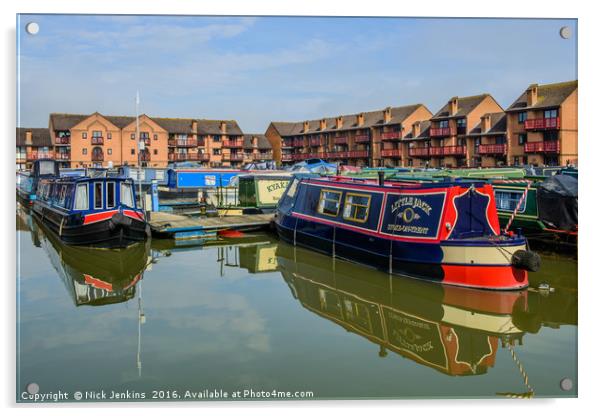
(222, 126)
(360, 119)
(323, 124)
(387, 115)
(486, 123)
(453, 106)
(339, 122)
(194, 126)
(28, 138)
(416, 129)
(305, 126)
(254, 141)
(532, 95)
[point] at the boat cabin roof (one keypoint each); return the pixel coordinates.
(399, 183)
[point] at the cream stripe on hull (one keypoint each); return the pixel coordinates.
(488, 255)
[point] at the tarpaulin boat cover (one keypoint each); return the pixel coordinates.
(557, 202)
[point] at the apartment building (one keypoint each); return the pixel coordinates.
(101, 141)
(542, 125)
(365, 139)
(489, 141)
(451, 145)
(32, 144)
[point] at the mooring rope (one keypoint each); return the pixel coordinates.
(520, 201)
(529, 394)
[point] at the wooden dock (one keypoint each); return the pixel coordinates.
(169, 225)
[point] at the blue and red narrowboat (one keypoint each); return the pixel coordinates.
(446, 231)
(99, 212)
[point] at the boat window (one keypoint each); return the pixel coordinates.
(292, 190)
(97, 195)
(357, 207)
(62, 196)
(507, 200)
(126, 195)
(81, 197)
(329, 203)
(110, 194)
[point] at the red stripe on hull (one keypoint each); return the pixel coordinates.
(90, 218)
(485, 277)
(97, 283)
(501, 303)
(133, 214)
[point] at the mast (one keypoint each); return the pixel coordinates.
(140, 149)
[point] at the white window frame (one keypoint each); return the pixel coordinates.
(102, 190)
(114, 194)
(87, 200)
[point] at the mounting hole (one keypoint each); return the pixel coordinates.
(566, 384)
(565, 32)
(33, 388)
(32, 28)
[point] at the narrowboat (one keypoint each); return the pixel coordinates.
(98, 212)
(446, 231)
(27, 182)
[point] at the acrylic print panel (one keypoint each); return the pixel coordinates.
(149, 271)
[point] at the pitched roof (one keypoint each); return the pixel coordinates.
(371, 119)
(465, 106)
(39, 136)
(262, 141)
(172, 125)
(424, 131)
(498, 125)
(548, 95)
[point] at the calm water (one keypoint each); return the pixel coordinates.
(256, 314)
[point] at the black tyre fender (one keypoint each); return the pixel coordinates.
(526, 260)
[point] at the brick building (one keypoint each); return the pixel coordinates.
(32, 144)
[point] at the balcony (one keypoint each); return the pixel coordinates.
(542, 147)
(97, 140)
(236, 157)
(144, 157)
(263, 155)
(392, 135)
(298, 143)
(354, 154)
(419, 151)
(447, 151)
(341, 140)
(362, 138)
(184, 142)
(40, 155)
(391, 153)
(62, 140)
(542, 123)
(233, 143)
(492, 149)
(98, 157)
(314, 142)
(62, 156)
(440, 132)
(147, 141)
(287, 157)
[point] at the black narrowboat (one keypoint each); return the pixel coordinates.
(99, 212)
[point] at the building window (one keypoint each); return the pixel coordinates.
(522, 138)
(477, 141)
(522, 116)
(461, 122)
(84, 151)
(550, 113)
(133, 136)
(109, 151)
(155, 152)
(155, 137)
(357, 207)
(97, 133)
(84, 135)
(443, 124)
(132, 151)
(217, 151)
(216, 138)
(329, 203)
(109, 136)
(144, 135)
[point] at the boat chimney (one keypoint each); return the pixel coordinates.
(381, 178)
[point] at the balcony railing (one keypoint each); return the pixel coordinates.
(492, 149)
(543, 147)
(97, 140)
(362, 138)
(40, 155)
(287, 157)
(62, 140)
(314, 142)
(390, 153)
(236, 156)
(357, 154)
(184, 142)
(392, 135)
(298, 143)
(341, 140)
(418, 151)
(261, 156)
(542, 123)
(98, 157)
(177, 157)
(62, 156)
(233, 143)
(447, 151)
(440, 132)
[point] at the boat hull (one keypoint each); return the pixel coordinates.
(112, 229)
(476, 263)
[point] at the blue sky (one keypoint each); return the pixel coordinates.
(261, 69)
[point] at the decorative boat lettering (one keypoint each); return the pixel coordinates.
(413, 215)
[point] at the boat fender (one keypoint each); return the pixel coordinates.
(526, 260)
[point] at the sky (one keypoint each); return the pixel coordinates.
(261, 69)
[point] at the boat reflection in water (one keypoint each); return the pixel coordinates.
(95, 277)
(451, 329)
